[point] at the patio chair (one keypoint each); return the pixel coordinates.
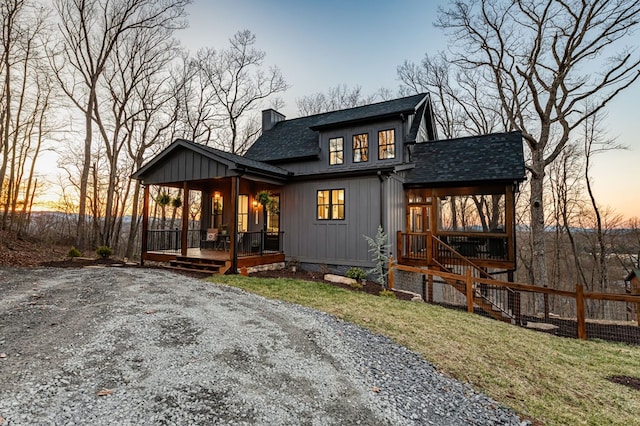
(210, 239)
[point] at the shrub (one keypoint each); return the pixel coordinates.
(73, 252)
(356, 285)
(387, 293)
(379, 249)
(356, 274)
(104, 251)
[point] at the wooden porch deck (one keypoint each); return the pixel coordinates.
(200, 254)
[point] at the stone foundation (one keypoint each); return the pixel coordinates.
(268, 267)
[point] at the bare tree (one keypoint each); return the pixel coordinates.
(24, 103)
(604, 219)
(196, 105)
(462, 106)
(90, 31)
(142, 55)
(239, 85)
(156, 114)
(535, 54)
(628, 251)
(338, 97)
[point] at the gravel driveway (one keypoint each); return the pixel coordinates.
(105, 346)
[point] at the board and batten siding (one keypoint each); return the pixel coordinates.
(395, 213)
(322, 165)
(331, 242)
(185, 165)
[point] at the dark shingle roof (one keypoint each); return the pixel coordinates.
(365, 112)
(297, 138)
(288, 139)
(478, 159)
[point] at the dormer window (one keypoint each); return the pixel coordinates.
(386, 144)
(361, 148)
(336, 151)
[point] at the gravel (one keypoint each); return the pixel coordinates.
(137, 346)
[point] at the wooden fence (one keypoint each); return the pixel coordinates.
(579, 295)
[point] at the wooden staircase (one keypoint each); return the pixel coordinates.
(449, 260)
(195, 264)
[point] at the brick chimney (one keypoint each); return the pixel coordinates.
(269, 119)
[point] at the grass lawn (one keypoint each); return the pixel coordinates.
(553, 380)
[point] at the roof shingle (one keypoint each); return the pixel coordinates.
(297, 138)
(496, 158)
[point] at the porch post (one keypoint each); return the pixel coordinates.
(185, 219)
(233, 246)
(145, 223)
(510, 225)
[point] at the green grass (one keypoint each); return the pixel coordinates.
(553, 380)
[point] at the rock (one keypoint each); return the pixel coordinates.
(339, 279)
(415, 297)
(543, 326)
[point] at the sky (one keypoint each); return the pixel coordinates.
(321, 44)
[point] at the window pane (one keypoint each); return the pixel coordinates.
(243, 213)
(323, 205)
(335, 150)
(216, 210)
(337, 202)
(273, 214)
(360, 148)
(338, 196)
(386, 144)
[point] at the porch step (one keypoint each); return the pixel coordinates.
(198, 265)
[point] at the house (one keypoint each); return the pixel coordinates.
(333, 178)
(632, 283)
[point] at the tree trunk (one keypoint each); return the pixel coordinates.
(538, 261)
(133, 227)
(81, 236)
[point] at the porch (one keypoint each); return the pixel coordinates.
(203, 205)
(252, 248)
(447, 226)
(484, 249)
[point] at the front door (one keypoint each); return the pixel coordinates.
(273, 237)
(419, 218)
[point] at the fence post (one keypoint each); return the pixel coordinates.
(391, 275)
(469, 285)
(582, 325)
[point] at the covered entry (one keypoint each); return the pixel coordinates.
(460, 202)
(222, 217)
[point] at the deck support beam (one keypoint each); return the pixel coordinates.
(233, 232)
(185, 219)
(145, 223)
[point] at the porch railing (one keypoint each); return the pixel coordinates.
(170, 240)
(260, 243)
(249, 243)
(483, 246)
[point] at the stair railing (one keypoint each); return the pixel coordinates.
(446, 257)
